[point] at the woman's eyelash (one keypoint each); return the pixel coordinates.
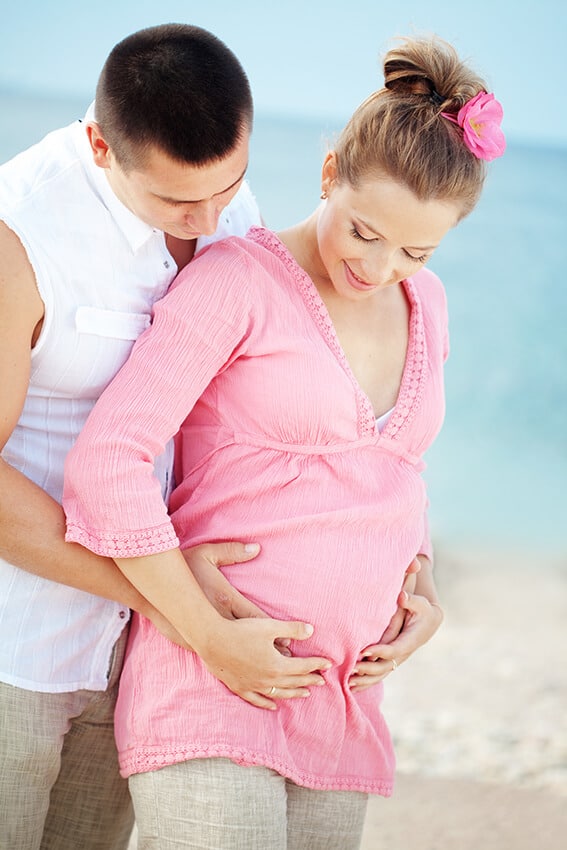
(421, 259)
(354, 232)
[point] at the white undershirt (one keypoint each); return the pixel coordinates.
(382, 420)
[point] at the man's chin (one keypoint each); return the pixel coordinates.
(180, 233)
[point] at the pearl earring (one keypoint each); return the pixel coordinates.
(323, 195)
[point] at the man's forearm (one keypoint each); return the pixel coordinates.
(32, 537)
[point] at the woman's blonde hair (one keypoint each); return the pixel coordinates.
(399, 130)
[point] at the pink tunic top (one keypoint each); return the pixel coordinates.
(279, 445)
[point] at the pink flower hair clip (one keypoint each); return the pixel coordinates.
(480, 120)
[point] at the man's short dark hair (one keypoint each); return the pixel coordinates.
(174, 87)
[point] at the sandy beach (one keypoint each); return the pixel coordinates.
(486, 698)
(479, 715)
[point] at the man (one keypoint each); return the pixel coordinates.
(95, 221)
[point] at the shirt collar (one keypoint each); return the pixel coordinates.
(135, 231)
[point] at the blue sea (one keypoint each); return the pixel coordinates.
(497, 475)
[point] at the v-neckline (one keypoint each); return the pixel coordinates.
(411, 384)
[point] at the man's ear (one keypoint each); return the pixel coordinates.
(99, 145)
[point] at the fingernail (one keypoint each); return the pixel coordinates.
(251, 547)
(308, 628)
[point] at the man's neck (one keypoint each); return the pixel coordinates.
(182, 250)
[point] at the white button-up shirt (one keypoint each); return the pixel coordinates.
(99, 270)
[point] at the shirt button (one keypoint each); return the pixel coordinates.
(122, 615)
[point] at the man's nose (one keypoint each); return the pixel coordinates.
(205, 218)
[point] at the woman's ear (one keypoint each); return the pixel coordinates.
(329, 172)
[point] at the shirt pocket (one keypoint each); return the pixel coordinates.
(111, 323)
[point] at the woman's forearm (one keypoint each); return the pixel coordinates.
(166, 582)
(425, 581)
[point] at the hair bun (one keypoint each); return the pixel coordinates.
(430, 67)
(401, 77)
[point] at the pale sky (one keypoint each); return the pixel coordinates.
(317, 58)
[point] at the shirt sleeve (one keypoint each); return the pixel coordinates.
(426, 547)
(111, 496)
(439, 319)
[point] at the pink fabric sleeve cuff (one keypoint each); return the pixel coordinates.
(129, 544)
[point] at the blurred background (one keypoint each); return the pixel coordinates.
(497, 473)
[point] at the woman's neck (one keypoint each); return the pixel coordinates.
(301, 242)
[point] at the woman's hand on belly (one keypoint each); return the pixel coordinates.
(397, 622)
(414, 623)
(245, 655)
(254, 661)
